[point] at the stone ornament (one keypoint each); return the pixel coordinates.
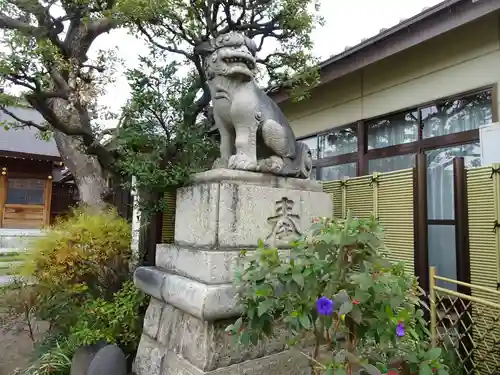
(255, 135)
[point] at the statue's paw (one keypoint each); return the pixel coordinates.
(242, 162)
(273, 165)
(220, 163)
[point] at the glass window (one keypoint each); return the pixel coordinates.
(25, 191)
(440, 200)
(338, 142)
(454, 116)
(393, 130)
(392, 163)
(337, 172)
(442, 253)
(312, 142)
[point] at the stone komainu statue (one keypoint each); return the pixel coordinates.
(255, 135)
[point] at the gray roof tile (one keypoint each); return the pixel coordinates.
(25, 139)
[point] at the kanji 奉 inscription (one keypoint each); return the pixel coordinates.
(284, 221)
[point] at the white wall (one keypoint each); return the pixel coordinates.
(465, 59)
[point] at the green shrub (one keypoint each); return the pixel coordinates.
(82, 287)
(337, 284)
(86, 255)
(115, 321)
(56, 361)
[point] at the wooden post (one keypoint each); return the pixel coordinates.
(47, 200)
(421, 229)
(3, 193)
(432, 293)
(362, 165)
(462, 255)
(375, 194)
(461, 223)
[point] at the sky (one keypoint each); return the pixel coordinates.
(347, 22)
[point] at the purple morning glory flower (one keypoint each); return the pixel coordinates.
(400, 330)
(324, 306)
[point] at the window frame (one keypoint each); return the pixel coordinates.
(362, 156)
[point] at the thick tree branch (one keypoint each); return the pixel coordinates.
(8, 23)
(22, 121)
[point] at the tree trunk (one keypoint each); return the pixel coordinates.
(88, 173)
(90, 177)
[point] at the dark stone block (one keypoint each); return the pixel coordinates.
(83, 357)
(110, 360)
(150, 280)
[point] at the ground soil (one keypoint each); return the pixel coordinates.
(16, 346)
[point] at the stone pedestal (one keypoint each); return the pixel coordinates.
(193, 301)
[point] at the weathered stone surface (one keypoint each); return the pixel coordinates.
(259, 179)
(206, 266)
(110, 360)
(287, 362)
(220, 215)
(206, 344)
(153, 317)
(150, 357)
(209, 302)
(248, 214)
(254, 133)
(196, 217)
(150, 281)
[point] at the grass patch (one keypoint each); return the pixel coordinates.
(11, 258)
(9, 254)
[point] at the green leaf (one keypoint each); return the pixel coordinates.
(433, 354)
(264, 307)
(425, 369)
(443, 371)
(356, 315)
(340, 371)
(370, 369)
(329, 371)
(341, 297)
(345, 308)
(299, 279)
(305, 321)
(245, 338)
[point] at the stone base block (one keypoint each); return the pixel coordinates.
(220, 213)
(228, 209)
(175, 342)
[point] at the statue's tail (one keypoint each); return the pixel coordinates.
(301, 165)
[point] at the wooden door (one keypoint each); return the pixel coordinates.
(26, 202)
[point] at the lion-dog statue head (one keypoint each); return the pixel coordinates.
(231, 55)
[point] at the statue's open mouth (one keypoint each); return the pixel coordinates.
(249, 63)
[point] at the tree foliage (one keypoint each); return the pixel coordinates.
(45, 49)
(175, 27)
(45, 53)
(156, 143)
